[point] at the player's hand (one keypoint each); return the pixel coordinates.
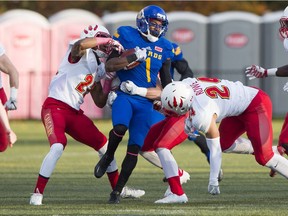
(255, 71)
(11, 104)
(285, 88)
(111, 98)
(116, 46)
(213, 189)
(11, 137)
(129, 87)
(189, 129)
(157, 105)
(141, 54)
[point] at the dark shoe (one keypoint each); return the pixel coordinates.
(114, 197)
(101, 166)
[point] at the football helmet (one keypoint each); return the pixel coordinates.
(284, 24)
(176, 98)
(102, 51)
(147, 25)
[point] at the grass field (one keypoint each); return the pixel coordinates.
(73, 190)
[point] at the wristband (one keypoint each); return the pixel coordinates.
(141, 91)
(102, 40)
(271, 71)
(13, 93)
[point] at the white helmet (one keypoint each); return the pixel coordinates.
(284, 24)
(177, 97)
(98, 31)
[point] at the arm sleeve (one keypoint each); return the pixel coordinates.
(165, 75)
(183, 68)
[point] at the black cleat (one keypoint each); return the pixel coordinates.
(101, 166)
(114, 197)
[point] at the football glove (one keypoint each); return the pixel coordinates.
(130, 88)
(141, 54)
(255, 71)
(11, 104)
(189, 129)
(111, 98)
(285, 87)
(116, 46)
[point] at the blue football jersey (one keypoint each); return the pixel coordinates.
(145, 74)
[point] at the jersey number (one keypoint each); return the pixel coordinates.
(88, 80)
(214, 91)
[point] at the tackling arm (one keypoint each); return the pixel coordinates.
(99, 97)
(282, 71)
(164, 72)
(183, 68)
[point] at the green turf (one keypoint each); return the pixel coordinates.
(73, 190)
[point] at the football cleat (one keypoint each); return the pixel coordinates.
(213, 189)
(36, 199)
(173, 198)
(183, 179)
(102, 165)
(277, 150)
(128, 192)
(114, 197)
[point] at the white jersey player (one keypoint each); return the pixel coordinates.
(79, 73)
(8, 137)
(238, 108)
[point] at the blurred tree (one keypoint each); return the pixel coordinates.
(47, 8)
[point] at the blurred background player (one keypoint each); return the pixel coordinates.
(255, 71)
(79, 73)
(7, 67)
(135, 112)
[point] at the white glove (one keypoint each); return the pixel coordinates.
(141, 54)
(130, 88)
(116, 46)
(285, 88)
(189, 129)
(11, 104)
(255, 71)
(111, 98)
(213, 189)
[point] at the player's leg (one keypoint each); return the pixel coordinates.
(54, 123)
(138, 129)
(172, 134)
(283, 138)
(259, 131)
(121, 115)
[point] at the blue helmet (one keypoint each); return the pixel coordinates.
(147, 27)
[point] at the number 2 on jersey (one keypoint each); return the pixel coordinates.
(214, 91)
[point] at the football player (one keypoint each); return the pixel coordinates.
(238, 108)
(7, 136)
(79, 74)
(134, 112)
(255, 71)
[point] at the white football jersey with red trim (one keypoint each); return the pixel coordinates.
(73, 80)
(215, 96)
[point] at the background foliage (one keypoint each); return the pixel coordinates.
(48, 8)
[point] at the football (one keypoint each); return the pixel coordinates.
(127, 53)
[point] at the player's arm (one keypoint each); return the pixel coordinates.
(182, 68)
(151, 93)
(11, 137)
(98, 95)
(164, 73)
(255, 71)
(6, 66)
(213, 143)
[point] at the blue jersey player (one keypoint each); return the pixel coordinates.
(134, 112)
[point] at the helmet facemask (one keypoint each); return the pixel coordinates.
(283, 27)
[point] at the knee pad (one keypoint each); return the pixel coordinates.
(120, 130)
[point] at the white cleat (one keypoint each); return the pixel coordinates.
(36, 199)
(213, 189)
(128, 192)
(173, 198)
(183, 179)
